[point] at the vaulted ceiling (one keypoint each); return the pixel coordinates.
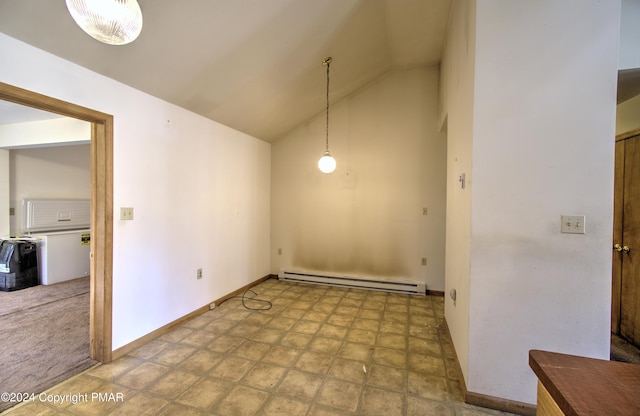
(254, 65)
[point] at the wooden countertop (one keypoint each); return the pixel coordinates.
(588, 386)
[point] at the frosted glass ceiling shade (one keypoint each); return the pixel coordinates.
(327, 163)
(115, 22)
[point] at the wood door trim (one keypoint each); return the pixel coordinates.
(618, 212)
(627, 135)
(101, 208)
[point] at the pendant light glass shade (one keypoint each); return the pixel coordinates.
(114, 22)
(327, 163)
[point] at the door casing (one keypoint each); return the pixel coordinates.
(101, 270)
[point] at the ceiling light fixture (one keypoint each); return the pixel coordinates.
(114, 22)
(327, 163)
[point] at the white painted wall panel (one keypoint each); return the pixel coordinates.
(47, 172)
(544, 123)
(366, 218)
(200, 191)
(529, 105)
(628, 115)
(629, 57)
(456, 114)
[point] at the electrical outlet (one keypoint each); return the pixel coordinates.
(199, 274)
(424, 261)
(279, 252)
(425, 211)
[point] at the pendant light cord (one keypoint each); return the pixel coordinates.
(327, 62)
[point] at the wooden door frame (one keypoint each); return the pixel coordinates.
(101, 271)
(616, 259)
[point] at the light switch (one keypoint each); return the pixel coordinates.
(126, 213)
(572, 224)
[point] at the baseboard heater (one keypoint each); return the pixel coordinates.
(404, 286)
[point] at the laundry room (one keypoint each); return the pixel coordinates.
(47, 162)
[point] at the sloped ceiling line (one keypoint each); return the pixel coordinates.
(249, 64)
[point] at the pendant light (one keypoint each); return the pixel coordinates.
(114, 22)
(327, 163)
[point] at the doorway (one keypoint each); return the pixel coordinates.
(625, 301)
(101, 150)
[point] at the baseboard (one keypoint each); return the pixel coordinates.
(459, 373)
(498, 403)
(125, 349)
(243, 289)
(483, 400)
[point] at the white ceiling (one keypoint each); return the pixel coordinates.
(15, 113)
(254, 65)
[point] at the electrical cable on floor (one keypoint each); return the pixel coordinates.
(266, 304)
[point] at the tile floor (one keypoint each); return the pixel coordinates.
(318, 351)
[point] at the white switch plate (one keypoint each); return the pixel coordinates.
(126, 213)
(572, 224)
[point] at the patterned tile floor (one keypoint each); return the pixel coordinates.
(317, 351)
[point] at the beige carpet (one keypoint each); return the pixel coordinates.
(11, 302)
(44, 336)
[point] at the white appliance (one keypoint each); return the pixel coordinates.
(61, 230)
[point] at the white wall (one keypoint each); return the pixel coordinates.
(200, 191)
(628, 115)
(542, 146)
(456, 114)
(47, 172)
(629, 56)
(366, 218)
(628, 112)
(44, 174)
